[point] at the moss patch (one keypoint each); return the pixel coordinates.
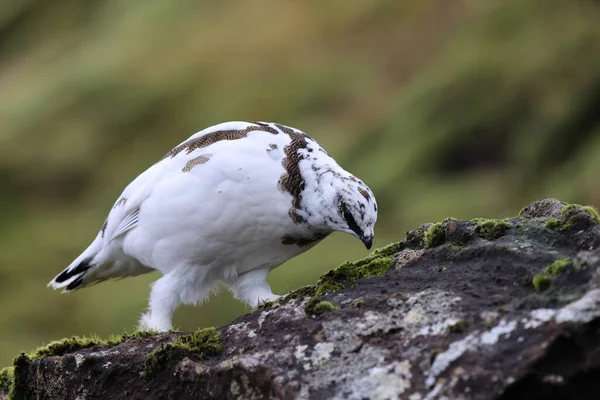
(571, 216)
(459, 326)
(434, 236)
(305, 291)
(541, 282)
(316, 306)
(378, 263)
(359, 303)
(553, 224)
(64, 346)
(70, 345)
(6, 377)
(490, 229)
(19, 382)
(593, 212)
(556, 267)
(200, 344)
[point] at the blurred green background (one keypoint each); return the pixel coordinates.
(445, 108)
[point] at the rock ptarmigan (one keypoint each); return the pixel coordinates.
(228, 205)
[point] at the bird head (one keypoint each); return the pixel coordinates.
(349, 206)
(356, 210)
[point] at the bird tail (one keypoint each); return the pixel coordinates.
(73, 276)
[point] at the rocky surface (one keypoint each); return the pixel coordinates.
(481, 309)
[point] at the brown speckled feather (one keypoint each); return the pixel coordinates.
(201, 159)
(213, 137)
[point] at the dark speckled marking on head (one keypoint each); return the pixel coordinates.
(365, 194)
(292, 181)
(303, 241)
(217, 136)
(201, 159)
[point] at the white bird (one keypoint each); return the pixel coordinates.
(228, 205)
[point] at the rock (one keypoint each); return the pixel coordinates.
(452, 316)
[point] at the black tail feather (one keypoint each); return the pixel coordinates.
(80, 269)
(75, 284)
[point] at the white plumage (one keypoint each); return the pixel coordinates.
(227, 205)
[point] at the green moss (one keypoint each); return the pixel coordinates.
(6, 378)
(326, 285)
(593, 212)
(541, 282)
(64, 346)
(490, 229)
(305, 291)
(268, 304)
(556, 267)
(553, 224)
(434, 235)
(316, 306)
(459, 326)
(569, 216)
(200, 344)
(378, 263)
(358, 303)
(70, 345)
(458, 246)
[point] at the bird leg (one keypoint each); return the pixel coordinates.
(164, 299)
(252, 288)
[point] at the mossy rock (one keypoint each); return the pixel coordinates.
(6, 378)
(376, 264)
(434, 236)
(572, 217)
(200, 344)
(72, 344)
(57, 348)
(541, 282)
(65, 346)
(490, 229)
(316, 306)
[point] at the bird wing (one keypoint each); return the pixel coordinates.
(125, 214)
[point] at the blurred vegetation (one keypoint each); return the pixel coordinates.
(457, 108)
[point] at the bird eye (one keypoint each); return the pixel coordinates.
(349, 218)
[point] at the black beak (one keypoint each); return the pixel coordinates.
(368, 241)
